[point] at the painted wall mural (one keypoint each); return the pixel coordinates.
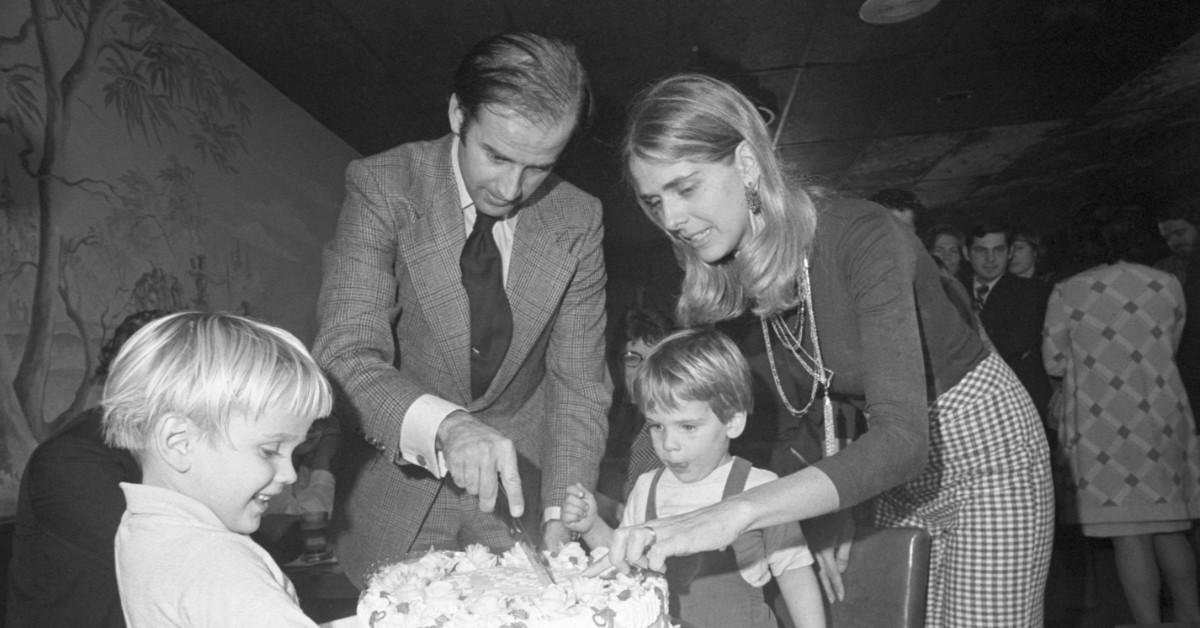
(141, 167)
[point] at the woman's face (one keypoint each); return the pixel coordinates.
(700, 204)
(947, 248)
(1024, 258)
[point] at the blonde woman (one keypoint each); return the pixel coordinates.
(850, 304)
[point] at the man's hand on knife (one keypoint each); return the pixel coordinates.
(476, 457)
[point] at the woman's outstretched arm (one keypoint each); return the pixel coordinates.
(802, 495)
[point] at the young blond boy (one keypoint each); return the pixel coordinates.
(211, 406)
(694, 389)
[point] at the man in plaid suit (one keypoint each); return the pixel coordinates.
(395, 322)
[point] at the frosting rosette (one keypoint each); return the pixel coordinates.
(477, 556)
(572, 557)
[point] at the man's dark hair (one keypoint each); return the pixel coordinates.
(539, 77)
(982, 229)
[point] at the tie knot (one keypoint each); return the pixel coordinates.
(981, 290)
(483, 222)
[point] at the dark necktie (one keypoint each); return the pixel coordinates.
(491, 318)
(981, 292)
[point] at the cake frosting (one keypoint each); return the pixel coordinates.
(478, 589)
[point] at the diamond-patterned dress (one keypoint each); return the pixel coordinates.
(1128, 443)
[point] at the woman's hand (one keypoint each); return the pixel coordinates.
(829, 537)
(648, 545)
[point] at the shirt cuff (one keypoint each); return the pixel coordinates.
(418, 432)
(552, 513)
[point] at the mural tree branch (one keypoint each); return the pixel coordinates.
(158, 81)
(74, 312)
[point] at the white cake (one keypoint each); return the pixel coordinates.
(478, 589)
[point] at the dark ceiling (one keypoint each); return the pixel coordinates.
(1019, 107)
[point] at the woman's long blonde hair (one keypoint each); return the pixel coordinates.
(698, 118)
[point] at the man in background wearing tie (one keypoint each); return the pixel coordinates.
(1011, 309)
(462, 316)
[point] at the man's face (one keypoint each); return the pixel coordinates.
(504, 157)
(1180, 236)
(989, 255)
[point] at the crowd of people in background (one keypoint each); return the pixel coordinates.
(1103, 344)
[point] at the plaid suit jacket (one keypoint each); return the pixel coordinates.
(394, 324)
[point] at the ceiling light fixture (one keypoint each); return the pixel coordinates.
(893, 11)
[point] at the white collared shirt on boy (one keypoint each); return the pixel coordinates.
(178, 565)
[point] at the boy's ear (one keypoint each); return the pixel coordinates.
(736, 425)
(174, 440)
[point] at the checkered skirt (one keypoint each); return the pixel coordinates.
(987, 499)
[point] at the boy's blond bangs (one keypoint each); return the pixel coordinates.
(694, 365)
(208, 367)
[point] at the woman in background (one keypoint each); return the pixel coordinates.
(945, 243)
(1126, 431)
(1026, 253)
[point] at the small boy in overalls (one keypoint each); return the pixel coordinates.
(694, 389)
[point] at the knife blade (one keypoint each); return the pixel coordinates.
(541, 566)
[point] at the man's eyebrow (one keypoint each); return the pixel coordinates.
(497, 154)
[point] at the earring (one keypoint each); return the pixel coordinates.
(753, 201)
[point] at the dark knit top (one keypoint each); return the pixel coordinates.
(891, 336)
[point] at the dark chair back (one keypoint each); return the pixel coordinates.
(885, 580)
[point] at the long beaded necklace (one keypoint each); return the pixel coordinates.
(810, 362)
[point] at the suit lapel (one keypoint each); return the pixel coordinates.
(431, 248)
(539, 270)
(996, 310)
(538, 273)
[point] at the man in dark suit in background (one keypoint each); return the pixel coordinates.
(1179, 225)
(1012, 309)
(455, 380)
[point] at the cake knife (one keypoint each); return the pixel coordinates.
(516, 529)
